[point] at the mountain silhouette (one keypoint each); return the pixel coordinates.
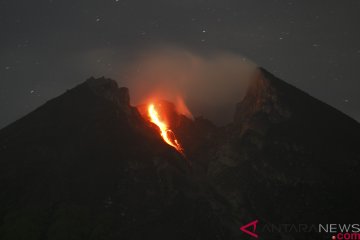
(88, 165)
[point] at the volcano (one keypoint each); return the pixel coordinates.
(88, 165)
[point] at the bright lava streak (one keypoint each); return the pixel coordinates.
(165, 132)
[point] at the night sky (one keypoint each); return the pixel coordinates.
(50, 46)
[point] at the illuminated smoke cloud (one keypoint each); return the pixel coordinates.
(210, 84)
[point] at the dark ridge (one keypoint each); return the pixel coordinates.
(87, 165)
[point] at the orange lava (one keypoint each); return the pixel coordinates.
(166, 133)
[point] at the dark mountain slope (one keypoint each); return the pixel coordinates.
(298, 157)
(87, 165)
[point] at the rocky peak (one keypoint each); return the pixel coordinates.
(108, 88)
(262, 103)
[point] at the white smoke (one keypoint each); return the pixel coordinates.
(210, 84)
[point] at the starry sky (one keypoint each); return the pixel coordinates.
(48, 46)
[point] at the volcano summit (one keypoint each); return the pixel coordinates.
(88, 165)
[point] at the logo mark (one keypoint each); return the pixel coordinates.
(247, 226)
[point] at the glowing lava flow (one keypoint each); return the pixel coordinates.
(166, 133)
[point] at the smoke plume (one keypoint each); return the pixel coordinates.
(209, 84)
